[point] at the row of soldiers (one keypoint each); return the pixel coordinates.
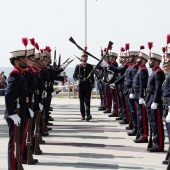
(137, 99)
(27, 99)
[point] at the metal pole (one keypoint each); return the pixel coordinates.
(85, 22)
(73, 90)
(68, 89)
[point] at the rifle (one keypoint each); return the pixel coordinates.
(59, 61)
(17, 138)
(65, 61)
(54, 62)
(73, 41)
(44, 126)
(109, 45)
(78, 58)
(30, 160)
(38, 139)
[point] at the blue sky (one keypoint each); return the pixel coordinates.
(52, 22)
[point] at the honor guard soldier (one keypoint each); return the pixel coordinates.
(119, 84)
(85, 86)
(129, 76)
(112, 78)
(166, 100)
(139, 90)
(154, 104)
(16, 113)
(106, 87)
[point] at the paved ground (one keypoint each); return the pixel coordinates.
(74, 144)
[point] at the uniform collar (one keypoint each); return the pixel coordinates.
(155, 68)
(142, 66)
(19, 70)
(84, 64)
(35, 70)
(114, 62)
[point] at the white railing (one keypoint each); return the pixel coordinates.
(70, 90)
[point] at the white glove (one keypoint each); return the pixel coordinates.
(104, 64)
(154, 106)
(141, 101)
(53, 93)
(45, 94)
(110, 76)
(31, 113)
(112, 86)
(16, 119)
(168, 118)
(65, 65)
(131, 96)
(41, 106)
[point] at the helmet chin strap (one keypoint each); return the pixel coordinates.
(45, 60)
(38, 63)
(31, 60)
(22, 61)
(153, 61)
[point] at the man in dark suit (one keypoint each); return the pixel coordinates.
(85, 86)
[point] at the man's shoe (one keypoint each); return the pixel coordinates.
(165, 162)
(128, 128)
(88, 118)
(51, 109)
(101, 109)
(50, 118)
(45, 134)
(154, 149)
(131, 133)
(123, 122)
(49, 128)
(49, 124)
(140, 141)
(107, 111)
(83, 118)
(119, 118)
(111, 115)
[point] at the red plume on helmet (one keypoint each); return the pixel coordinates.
(32, 41)
(85, 48)
(127, 46)
(168, 39)
(142, 47)
(25, 41)
(47, 49)
(41, 51)
(122, 49)
(105, 49)
(150, 45)
(37, 46)
(163, 49)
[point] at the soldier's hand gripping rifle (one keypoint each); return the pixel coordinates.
(30, 160)
(109, 46)
(17, 139)
(73, 41)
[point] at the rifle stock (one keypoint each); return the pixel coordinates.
(73, 41)
(109, 45)
(30, 160)
(37, 150)
(17, 138)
